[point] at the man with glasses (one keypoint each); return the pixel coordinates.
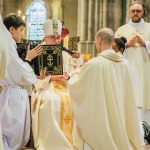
(137, 33)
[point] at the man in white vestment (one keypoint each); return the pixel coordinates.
(15, 115)
(137, 33)
(103, 99)
(52, 117)
(3, 60)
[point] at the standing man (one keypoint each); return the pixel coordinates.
(103, 99)
(137, 32)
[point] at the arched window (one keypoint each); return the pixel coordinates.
(36, 15)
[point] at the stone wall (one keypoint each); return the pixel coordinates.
(8, 6)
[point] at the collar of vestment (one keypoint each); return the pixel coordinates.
(112, 55)
(136, 24)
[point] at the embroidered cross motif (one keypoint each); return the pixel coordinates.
(67, 119)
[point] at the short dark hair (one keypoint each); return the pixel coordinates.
(13, 20)
(120, 42)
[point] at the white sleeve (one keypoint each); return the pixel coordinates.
(21, 72)
(4, 48)
(41, 84)
(147, 43)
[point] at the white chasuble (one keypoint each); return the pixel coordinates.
(103, 103)
(139, 58)
(52, 117)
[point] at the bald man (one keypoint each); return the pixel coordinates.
(103, 99)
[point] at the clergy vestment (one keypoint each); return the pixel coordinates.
(103, 103)
(138, 57)
(15, 114)
(52, 117)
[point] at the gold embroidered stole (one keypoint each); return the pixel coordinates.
(66, 114)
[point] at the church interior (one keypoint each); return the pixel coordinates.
(82, 18)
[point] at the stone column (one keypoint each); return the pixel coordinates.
(1, 7)
(97, 14)
(61, 12)
(91, 26)
(105, 13)
(83, 26)
(117, 14)
(101, 15)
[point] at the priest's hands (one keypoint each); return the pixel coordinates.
(31, 54)
(140, 41)
(60, 78)
(131, 42)
(75, 54)
(42, 74)
(134, 40)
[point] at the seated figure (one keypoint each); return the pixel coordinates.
(52, 117)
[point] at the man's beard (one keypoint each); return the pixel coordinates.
(136, 20)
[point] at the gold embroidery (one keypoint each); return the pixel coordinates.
(66, 114)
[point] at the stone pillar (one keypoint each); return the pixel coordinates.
(83, 25)
(91, 26)
(117, 14)
(1, 7)
(105, 13)
(61, 12)
(97, 14)
(90, 20)
(101, 15)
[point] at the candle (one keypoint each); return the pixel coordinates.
(65, 41)
(23, 17)
(19, 12)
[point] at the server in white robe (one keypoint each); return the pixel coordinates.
(15, 115)
(103, 100)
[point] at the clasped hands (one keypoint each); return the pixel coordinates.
(134, 40)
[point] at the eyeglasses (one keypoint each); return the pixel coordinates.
(136, 10)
